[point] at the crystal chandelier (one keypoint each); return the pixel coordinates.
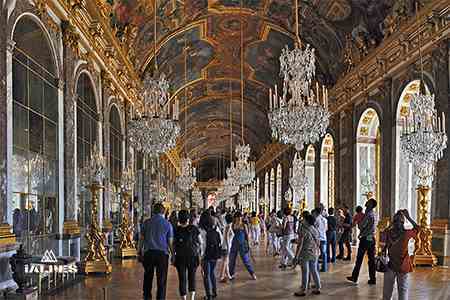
(298, 180)
(423, 137)
(243, 171)
(197, 197)
(94, 169)
(154, 130)
(187, 178)
(304, 118)
(127, 180)
(368, 182)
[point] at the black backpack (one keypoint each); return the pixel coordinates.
(213, 245)
(187, 243)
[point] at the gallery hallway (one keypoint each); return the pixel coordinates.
(126, 281)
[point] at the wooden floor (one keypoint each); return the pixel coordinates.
(126, 281)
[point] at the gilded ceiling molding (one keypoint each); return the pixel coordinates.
(71, 38)
(398, 50)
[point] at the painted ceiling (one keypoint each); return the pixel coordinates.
(210, 30)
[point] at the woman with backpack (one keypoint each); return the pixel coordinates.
(274, 230)
(187, 252)
(226, 247)
(307, 255)
(240, 245)
(211, 241)
(399, 266)
(288, 234)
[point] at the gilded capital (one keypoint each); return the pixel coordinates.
(70, 37)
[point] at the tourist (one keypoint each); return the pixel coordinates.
(262, 225)
(173, 219)
(346, 237)
(226, 247)
(194, 218)
(366, 243)
(274, 231)
(307, 254)
(187, 251)
(288, 234)
(339, 230)
(154, 247)
(211, 241)
(240, 245)
(359, 215)
(322, 227)
(331, 235)
(399, 265)
(255, 228)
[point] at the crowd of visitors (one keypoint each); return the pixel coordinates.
(309, 240)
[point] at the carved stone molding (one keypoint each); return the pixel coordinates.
(10, 45)
(71, 38)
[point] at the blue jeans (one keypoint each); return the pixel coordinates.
(310, 266)
(331, 241)
(245, 256)
(323, 255)
(209, 277)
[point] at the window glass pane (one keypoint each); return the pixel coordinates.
(51, 140)
(34, 216)
(20, 126)
(51, 102)
(36, 132)
(19, 171)
(36, 173)
(51, 215)
(50, 177)
(20, 90)
(36, 92)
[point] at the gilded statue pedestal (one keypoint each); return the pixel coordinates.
(6, 236)
(70, 227)
(126, 247)
(96, 260)
(423, 254)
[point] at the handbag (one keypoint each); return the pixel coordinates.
(381, 263)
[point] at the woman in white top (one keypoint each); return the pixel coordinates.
(226, 246)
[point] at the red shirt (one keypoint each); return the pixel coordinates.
(399, 260)
(358, 218)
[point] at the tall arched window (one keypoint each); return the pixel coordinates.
(266, 192)
(87, 137)
(35, 136)
(327, 171)
(115, 161)
(405, 181)
(310, 160)
(368, 157)
(272, 189)
(279, 186)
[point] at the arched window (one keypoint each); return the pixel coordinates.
(266, 192)
(35, 135)
(310, 160)
(279, 186)
(405, 181)
(257, 203)
(272, 189)
(368, 157)
(115, 160)
(87, 137)
(327, 171)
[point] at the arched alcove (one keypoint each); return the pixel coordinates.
(310, 160)
(327, 171)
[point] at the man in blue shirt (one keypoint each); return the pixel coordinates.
(155, 245)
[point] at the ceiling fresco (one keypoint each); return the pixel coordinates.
(211, 31)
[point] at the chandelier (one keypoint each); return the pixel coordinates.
(94, 169)
(127, 180)
(197, 197)
(304, 118)
(243, 171)
(187, 178)
(230, 188)
(154, 131)
(368, 182)
(423, 137)
(298, 180)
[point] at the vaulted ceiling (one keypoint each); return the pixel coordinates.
(211, 31)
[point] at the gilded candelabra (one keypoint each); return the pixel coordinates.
(423, 254)
(126, 247)
(96, 260)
